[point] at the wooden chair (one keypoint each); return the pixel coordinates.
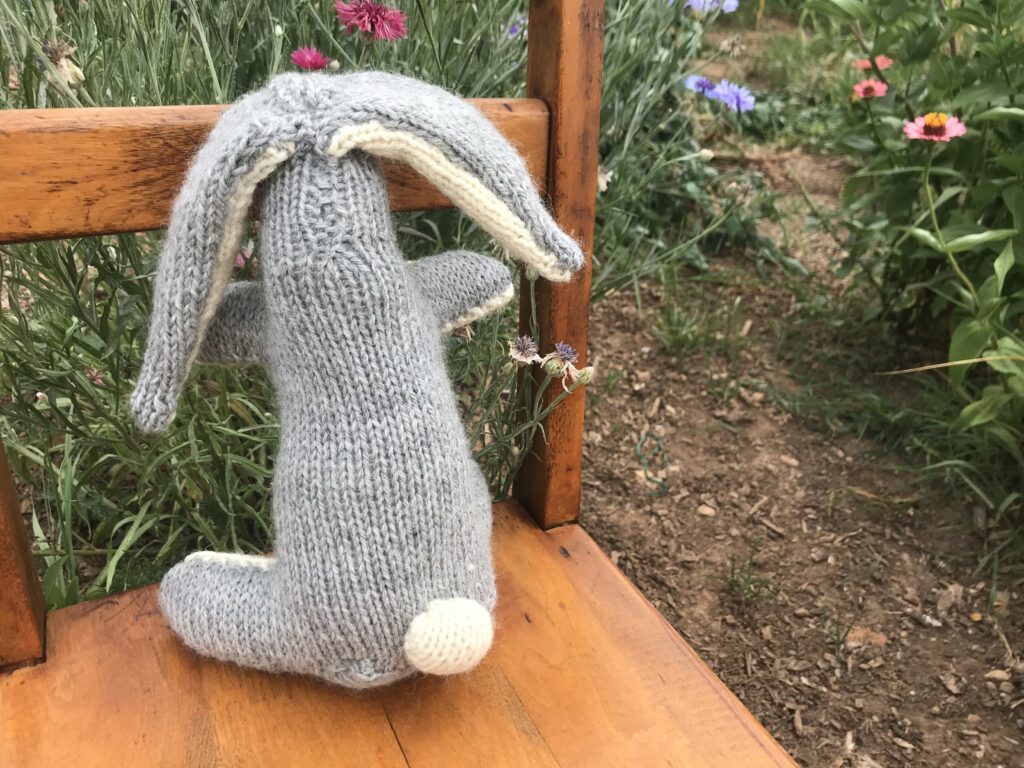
(584, 670)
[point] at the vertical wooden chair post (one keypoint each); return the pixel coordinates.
(22, 613)
(564, 69)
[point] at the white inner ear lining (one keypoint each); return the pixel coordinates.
(491, 305)
(464, 189)
(234, 222)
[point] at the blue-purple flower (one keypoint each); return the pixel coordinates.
(517, 26)
(699, 84)
(561, 363)
(735, 97)
(707, 6)
(566, 353)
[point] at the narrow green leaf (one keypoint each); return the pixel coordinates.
(983, 410)
(969, 339)
(969, 242)
(925, 237)
(1002, 265)
(855, 9)
(1001, 113)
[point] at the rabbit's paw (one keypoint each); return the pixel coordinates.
(228, 606)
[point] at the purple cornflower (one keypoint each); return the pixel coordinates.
(562, 364)
(517, 26)
(566, 353)
(706, 6)
(735, 97)
(699, 84)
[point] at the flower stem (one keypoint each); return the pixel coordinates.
(874, 125)
(430, 39)
(926, 180)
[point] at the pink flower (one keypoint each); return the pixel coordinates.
(93, 375)
(376, 20)
(882, 62)
(870, 89)
(309, 58)
(935, 126)
(242, 258)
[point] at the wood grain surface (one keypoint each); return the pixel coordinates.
(584, 672)
(69, 172)
(564, 69)
(22, 620)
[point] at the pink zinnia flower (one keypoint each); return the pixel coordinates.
(935, 126)
(882, 62)
(309, 58)
(870, 89)
(376, 20)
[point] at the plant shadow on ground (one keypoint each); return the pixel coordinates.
(791, 526)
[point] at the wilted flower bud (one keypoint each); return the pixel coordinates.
(706, 155)
(334, 66)
(585, 375)
(59, 53)
(523, 350)
(554, 367)
(741, 192)
(278, 30)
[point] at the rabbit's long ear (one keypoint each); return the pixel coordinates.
(206, 226)
(457, 149)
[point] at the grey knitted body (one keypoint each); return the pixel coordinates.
(379, 509)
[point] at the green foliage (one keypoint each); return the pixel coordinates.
(803, 102)
(112, 508)
(744, 584)
(936, 228)
(692, 319)
(664, 204)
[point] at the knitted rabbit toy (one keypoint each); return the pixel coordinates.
(382, 561)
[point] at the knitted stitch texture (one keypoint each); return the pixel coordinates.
(382, 518)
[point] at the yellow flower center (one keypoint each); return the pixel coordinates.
(935, 123)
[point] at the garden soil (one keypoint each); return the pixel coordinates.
(832, 592)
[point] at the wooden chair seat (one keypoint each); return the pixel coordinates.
(573, 636)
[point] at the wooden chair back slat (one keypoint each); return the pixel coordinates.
(71, 172)
(564, 69)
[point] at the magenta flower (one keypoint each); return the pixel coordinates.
(374, 19)
(309, 59)
(935, 126)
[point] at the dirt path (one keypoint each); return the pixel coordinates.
(818, 582)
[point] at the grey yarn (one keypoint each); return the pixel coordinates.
(378, 505)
